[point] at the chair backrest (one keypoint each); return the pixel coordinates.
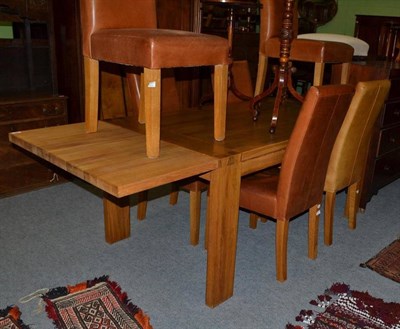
(304, 165)
(271, 19)
(349, 154)
(115, 14)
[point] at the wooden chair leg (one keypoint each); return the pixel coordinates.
(319, 74)
(206, 233)
(142, 115)
(313, 223)
(91, 67)
(253, 220)
(261, 74)
(220, 100)
(353, 200)
(330, 198)
(345, 74)
(195, 205)
(282, 230)
(152, 103)
(142, 205)
(174, 194)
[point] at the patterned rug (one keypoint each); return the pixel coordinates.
(387, 261)
(10, 318)
(343, 308)
(95, 304)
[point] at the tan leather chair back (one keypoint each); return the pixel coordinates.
(306, 158)
(347, 162)
(271, 18)
(115, 14)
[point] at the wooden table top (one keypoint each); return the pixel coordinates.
(114, 158)
(109, 159)
(258, 148)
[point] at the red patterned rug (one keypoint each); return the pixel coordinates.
(387, 262)
(341, 308)
(98, 303)
(10, 318)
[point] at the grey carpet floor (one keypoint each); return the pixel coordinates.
(55, 236)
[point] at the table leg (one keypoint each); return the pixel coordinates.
(117, 222)
(222, 221)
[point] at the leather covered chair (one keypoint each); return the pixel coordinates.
(316, 51)
(125, 32)
(349, 155)
(298, 185)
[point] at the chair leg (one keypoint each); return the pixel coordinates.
(282, 230)
(344, 77)
(313, 223)
(253, 220)
(353, 201)
(174, 194)
(261, 74)
(195, 205)
(142, 205)
(152, 103)
(207, 227)
(91, 67)
(220, 100)
(319, 74)
(141, 115)
(330, 198)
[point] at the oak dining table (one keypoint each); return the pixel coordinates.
(114, 160)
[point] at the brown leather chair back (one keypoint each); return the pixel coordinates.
(271, 18)
(349, 154)
(305, 163)
(110, 14)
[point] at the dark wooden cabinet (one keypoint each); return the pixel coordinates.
(380, 33)
(383, 163)
(384, 158)
(28, 91)
(20, 171)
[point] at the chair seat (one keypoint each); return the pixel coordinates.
(258, 192)
(311, 50)
(360, 46)
(158, 48)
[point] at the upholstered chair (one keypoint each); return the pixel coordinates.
(302, 50)
(348, 159)
(125, 32)
(298, 185)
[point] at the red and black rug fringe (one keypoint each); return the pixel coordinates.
(341, 307)
(10, 317)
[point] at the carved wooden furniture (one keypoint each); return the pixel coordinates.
(315, 13)
(348, 159)
(278, 32)
(127, 34)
